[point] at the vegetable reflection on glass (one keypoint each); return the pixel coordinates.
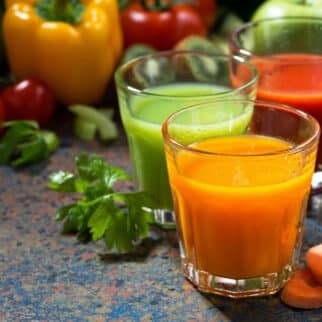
(159, 23)
(73, 46)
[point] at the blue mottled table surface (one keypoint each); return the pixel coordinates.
(47, 276)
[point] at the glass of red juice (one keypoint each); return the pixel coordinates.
(287, 53)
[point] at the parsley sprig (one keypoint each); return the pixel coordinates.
(120, 218)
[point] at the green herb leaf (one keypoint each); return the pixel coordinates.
(119, 218)
(63, 181)
(23, 143)
(117, 235)
(63, 212)
(101, 218)
(31, 151)
(137, 204)
(71, 215)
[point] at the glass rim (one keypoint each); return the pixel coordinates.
(233, 37)
(131, 89)
(281, 107)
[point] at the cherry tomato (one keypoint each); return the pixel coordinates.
(29, 99)
(160, 25)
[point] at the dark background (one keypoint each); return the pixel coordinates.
(242, 8)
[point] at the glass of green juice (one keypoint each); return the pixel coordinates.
(152, 87)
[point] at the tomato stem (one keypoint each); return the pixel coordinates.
(123, 4)
(156, 5)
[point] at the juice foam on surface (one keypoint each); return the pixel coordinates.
(227, 170)
(155, 109)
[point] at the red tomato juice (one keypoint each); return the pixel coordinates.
(239, 217)
(292, 79)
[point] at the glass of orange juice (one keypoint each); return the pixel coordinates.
(240, 199)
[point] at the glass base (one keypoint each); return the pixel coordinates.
(236, 288)
(164, 218)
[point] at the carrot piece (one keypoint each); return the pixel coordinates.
(313, 259)
(302, 291)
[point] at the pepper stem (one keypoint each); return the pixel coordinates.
(69, 11)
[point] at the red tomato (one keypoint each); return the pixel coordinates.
(207, 10)
(29, 99)
(161, 29)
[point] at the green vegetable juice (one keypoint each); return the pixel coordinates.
(142, 117)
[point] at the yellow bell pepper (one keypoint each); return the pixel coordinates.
(76, 59)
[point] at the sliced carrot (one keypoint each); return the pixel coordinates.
(302, 291)
(313, 259)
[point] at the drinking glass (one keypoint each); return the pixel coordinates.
(151, 87)
(287, 52)
(240, 198)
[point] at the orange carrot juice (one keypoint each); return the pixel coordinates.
(238, 214)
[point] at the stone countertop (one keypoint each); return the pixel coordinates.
(48, 276)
